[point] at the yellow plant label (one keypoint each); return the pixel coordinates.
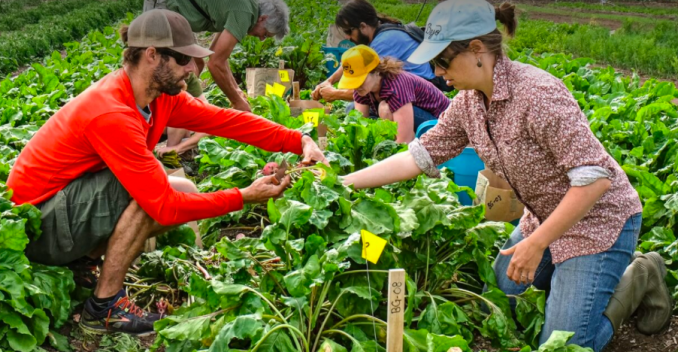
(373, 245)
(278, 89)
(284, 76)
(269, 90)
(275, 89)
(312, 116)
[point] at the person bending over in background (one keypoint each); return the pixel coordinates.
(91, 171)
(582, 218)
(382, 85)
(232, 20)
(180, 140)
(361, 23)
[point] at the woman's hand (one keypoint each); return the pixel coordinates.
(526, 258)
(316, 92)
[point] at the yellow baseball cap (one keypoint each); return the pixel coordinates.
(357, 63)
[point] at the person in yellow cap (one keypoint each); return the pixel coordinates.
(382, 85)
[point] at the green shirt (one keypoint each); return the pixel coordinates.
(235, 16)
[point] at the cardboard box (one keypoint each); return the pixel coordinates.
(501, 203)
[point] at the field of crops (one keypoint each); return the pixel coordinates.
(297, 280)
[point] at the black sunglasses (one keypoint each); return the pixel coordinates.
(349, 30)
(181, 59)
(443, 61)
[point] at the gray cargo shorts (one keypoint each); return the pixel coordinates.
(79, 218)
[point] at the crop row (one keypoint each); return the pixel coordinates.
(32, 41)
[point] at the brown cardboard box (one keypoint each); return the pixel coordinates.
(501, 203)
(257, 79)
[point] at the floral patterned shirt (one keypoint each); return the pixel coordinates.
(531, 135)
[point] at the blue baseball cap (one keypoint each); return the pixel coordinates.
(454, 20)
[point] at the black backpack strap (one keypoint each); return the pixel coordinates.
(202, 12)
(412, 30)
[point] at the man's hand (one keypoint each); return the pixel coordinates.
(311, 152)
(316, 92)
(262, 189)
(242, 106)
(164, 150)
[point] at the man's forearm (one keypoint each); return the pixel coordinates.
(223, 77)
(336, 76)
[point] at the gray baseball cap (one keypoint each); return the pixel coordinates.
(164, 29)
(454, 20)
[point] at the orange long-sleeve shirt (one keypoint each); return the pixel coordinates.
(103, 127)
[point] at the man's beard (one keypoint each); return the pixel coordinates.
(165, 81)
(362, 39)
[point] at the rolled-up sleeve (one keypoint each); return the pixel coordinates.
(448, 138)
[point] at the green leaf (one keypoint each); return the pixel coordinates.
(557, 341)
(247, 327)
(13, 235)
(530, 313)
(21, 342)
(293, 213)
(277, 341)
(58, 341)
(191, 329)
(300, 282)
(331, 346)
(372, 216)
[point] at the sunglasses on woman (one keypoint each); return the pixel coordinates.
(181, 59)
(443, 61)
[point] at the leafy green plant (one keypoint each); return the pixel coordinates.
(32, 296)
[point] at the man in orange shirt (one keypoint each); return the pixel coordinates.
(91, 171)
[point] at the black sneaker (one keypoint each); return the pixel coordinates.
(85, 271)
(122, 315)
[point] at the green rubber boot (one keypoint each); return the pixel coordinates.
(654, 313)
(628, 294)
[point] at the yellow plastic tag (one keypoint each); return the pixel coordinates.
(312, 116)
(373, 245)
(269, 90)
(279, 89)
(275, 89)
(284, 76)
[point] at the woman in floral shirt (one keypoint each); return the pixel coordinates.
(582, 218)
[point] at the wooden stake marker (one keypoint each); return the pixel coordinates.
(396, 310)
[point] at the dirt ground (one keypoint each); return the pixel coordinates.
(628, 339)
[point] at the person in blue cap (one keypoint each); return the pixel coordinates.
(582, 217)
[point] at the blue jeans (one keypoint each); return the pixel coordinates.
(580, 287)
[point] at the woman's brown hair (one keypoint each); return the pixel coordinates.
(388, 66)
(494, 41)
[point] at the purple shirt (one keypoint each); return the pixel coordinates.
(403, 88)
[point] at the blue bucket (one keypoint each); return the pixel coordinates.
(332, 66)
(465, 166)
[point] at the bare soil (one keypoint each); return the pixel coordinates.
(557, 18)
(627, 339)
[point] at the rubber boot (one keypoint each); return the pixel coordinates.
(629, 292)
(654, 313)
